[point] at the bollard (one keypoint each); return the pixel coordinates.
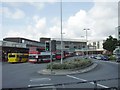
(95, 85)
(63, 86)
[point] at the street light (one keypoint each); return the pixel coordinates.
(86, 40)
(61, 34)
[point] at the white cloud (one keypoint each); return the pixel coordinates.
(55, 21)
(101, 20)
(41, 23)
(80, 20)
(51, 1)
(38, 29)
(5, 11)
(13, 33)
(104, 9)
(0, 30)
(72, 28)
(17, 14)
(38, 5)
(14, 4)
(36, 18)
(54, 32)
(105, 15)
(31, 31)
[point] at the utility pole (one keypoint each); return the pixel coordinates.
(61, 33)
(51, 56)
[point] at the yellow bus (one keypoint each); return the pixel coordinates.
(17, 57)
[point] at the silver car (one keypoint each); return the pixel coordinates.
(118, 58)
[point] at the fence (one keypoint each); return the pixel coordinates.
(71, 83)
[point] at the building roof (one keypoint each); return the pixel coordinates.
(5, 39)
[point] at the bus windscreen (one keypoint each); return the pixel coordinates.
(11, 56)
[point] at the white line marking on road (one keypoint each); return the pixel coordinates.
(40, 79)
(76, 78)
(33, 85)
(39, 86)
(100, 85)
(86, 80)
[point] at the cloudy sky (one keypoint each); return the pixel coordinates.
(34, 19)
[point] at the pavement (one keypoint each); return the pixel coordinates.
(66, 72)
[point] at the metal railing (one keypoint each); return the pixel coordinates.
(95, 82)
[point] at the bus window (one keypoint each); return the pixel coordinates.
(11, 56)
(40, 57)
(24, 56)
(46, 56)
(53, 56)
(32, 57)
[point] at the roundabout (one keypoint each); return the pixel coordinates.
(85, 68)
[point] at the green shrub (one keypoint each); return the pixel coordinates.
(73, 64)
(112, 57)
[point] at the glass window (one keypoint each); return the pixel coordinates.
(32, 57)
(11, 56)
(66, 46)
(75, 46)
(46, 56)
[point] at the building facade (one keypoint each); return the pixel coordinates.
(70, 45)
(117, 50)
(28, 42)
(17, 45)
(95, 47)
(22, 45)
(8, 47)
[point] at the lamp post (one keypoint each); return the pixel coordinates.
(51, 56)
(61, 34)
(86, 29)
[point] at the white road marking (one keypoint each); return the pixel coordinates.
(100, 85)
(40, 79)
(86, 80)
(40, 85)
(76, 78)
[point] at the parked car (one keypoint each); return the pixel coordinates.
(102, 57)
(93, 56)
(118, 58)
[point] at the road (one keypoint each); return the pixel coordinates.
(25, 74)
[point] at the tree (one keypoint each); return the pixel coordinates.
(110, 44)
